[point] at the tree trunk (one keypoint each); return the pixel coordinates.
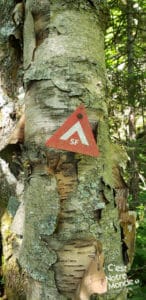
(132, 98)
(74, 204)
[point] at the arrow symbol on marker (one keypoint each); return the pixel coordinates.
(75, 128)
(76, 124)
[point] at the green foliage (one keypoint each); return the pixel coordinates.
(125, 45)
(140, 251)
(137, 293)
(125, 52)
(138, 270)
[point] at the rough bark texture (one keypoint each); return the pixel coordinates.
(72, 202)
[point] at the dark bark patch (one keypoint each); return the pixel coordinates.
(1, 274)
(98, 214)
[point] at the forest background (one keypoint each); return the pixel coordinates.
(125, 49)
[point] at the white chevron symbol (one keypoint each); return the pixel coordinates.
(75, 128)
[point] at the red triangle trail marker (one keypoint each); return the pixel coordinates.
(75, 135)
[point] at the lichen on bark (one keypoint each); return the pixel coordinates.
(66, 67)
(42, 208)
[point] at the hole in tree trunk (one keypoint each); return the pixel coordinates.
(95, 130)
(97, 214)
(124, 249)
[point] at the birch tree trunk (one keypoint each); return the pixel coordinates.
(73, 203)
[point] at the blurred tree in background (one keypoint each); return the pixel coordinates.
(125, 46)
